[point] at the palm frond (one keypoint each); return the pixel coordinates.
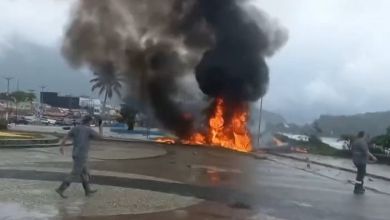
(117, 91)
(109, 92)
(109, 83)
(97, 79)
(117, 84)
(97, 85)
(102, 90)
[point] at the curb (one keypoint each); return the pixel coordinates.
(126, 140)
(42, 142)
(23, 146)
(102, 139)
(329, 165)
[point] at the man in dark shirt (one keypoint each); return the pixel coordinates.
(81, 135)
(360, 156)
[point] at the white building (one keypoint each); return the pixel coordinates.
(94, 104)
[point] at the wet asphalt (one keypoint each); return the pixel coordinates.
(233, 186)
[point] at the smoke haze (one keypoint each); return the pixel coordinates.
(154, 43)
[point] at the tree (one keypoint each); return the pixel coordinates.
(317, 127)
(128, 116)
(388, 131)
(382, 140)
(5, 96)
(20, 96)
(108, 83)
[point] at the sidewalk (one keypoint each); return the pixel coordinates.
(378, 171)
(107, 133)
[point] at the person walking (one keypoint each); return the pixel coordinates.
(360, 157)
(81, 135)
(100, 123)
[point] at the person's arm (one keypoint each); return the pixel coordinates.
(370, 155)
(95, 135)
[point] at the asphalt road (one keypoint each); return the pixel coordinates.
(230, 185)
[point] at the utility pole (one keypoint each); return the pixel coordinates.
(7, 108)
(41, 101)
(260, 120)
(32, 109)
(17, 85)
(8, 81)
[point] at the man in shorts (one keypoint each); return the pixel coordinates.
(81, 135)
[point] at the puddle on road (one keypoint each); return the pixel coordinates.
(33, 200)
(16, 211)
(213, 175)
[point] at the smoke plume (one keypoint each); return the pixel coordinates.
(153, 43)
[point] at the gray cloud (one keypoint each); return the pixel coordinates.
(335, 62)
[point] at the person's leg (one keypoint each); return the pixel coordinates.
(85, 177)
(73, 176)
(67, 181)
(361, 170)
(363, 174)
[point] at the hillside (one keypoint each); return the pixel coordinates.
(269, 119)
(373, 123)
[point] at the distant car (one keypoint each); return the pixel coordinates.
(21, 120)
(65, 122)
(47, 121)
(31, 119)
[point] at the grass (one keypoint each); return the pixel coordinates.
(314, 146)
(4, 135)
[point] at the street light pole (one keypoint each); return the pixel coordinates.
(260, 120)
(7, 108)
(32, 109)
(41, 102)
(8, 81)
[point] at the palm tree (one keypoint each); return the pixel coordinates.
(108, 83)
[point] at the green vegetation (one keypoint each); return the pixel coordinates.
(19, 136)
(107, 82)
(3, 124)
(128, 116)
(383, 140)
(314, 145)
(372, 123)
(18, 96)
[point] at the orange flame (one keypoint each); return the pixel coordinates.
(231, 134)
(234, 134)
(165, 140)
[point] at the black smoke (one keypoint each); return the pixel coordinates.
(153, 43)
(234, 68)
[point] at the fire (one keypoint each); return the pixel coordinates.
(165, 140)
(232, 134)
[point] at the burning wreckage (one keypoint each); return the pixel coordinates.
(154, 45)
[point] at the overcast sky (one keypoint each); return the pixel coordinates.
(335, 62)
